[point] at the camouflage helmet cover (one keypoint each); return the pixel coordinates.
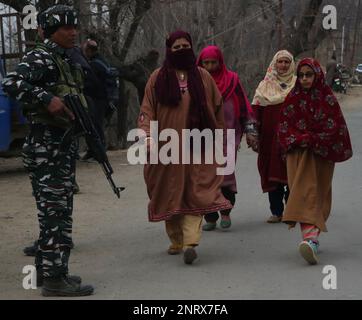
(57, 16)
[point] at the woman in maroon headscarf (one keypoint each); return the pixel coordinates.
(182, 96)
(314, 136)
(238, 116)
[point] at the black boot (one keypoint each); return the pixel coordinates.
(64, 287)
(40, 278)
(32, 250)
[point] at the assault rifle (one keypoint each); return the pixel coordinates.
(84, 127)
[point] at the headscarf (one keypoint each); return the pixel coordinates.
(275, 87)
(313, 118)
(227, 81)
(167, 86)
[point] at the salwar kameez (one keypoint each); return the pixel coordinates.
(310, 183)
(238, 116)
(267, 103)
(313, 136)
(184, 231)
(180, 194)
(240, 125)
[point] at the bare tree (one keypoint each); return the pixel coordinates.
(249, 32)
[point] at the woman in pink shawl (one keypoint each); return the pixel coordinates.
(238, 116)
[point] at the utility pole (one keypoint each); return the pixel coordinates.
(356, 27)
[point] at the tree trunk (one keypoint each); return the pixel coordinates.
(301, 41)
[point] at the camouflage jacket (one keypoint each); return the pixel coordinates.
(44, 72)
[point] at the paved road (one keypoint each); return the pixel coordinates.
(124, 255)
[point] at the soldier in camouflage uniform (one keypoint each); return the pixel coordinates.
(40, 81)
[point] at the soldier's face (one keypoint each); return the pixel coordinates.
(65, 36)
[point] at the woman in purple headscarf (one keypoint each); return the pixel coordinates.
(181, 96)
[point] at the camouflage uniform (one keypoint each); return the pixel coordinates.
(45, 72)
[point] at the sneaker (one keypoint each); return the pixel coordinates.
(190, 255)
(225, 222)
(64, 287)
(309, 249)
(275, 219)
(209, 226)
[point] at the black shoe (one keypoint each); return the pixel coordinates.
(64, 287)
(32, 250)
(40, 279)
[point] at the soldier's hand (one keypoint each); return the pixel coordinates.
(57, 107)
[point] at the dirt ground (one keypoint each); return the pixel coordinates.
(124, 256)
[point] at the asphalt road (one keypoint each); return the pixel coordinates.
(124, 256)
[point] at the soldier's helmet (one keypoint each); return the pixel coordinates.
(57, 16)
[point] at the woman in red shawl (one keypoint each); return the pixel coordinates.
(313, 135)
(238, 116)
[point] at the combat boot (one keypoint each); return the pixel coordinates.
(32, 250)
(40, 278)
(64, 287)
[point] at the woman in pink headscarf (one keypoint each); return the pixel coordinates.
(238, 116)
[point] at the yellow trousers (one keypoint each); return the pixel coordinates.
(184, 231)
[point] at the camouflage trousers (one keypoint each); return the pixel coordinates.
(52, 175)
